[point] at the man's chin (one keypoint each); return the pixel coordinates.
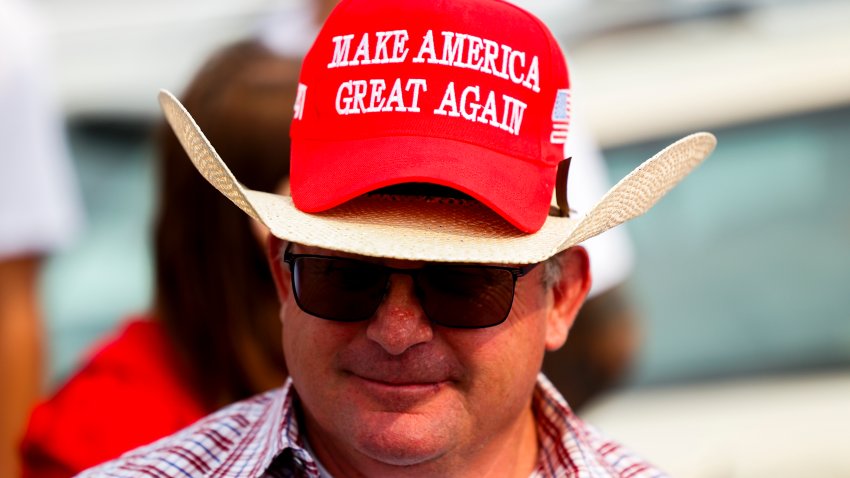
(403, 444)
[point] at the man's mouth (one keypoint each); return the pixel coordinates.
(401, 379)
(399, 394)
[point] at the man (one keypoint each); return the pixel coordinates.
(420, 263)
(604, 337)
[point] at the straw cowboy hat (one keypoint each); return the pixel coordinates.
(435, 99)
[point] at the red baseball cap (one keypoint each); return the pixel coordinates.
(468, 94)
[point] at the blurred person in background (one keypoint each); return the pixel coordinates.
(213, 336)
(605, 337)
(40, 211)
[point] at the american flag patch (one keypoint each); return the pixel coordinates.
(560, 117)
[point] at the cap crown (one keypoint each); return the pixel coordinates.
(479, 72)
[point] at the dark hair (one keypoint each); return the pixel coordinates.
(214, 292)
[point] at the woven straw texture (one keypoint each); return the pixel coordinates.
(642, 188)
(201, 152)
(439, 230)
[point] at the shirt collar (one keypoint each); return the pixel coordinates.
(280, 429)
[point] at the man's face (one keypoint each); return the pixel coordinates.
(400, 390)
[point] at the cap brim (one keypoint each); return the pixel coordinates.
(438, 230)
(323, 177)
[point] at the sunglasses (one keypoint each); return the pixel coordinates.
(452, 295)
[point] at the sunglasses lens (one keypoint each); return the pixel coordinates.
(466, 297)
(349, 290)
(338, 289)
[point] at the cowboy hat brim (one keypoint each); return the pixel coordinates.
(438, 229)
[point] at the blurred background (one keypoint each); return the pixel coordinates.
(741, 277)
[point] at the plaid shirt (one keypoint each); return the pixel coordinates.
(259, 437)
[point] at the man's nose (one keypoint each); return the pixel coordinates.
(400, 322)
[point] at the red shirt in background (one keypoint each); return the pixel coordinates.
(130, 393)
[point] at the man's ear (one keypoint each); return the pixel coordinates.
(282, 278)
(568, 294)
